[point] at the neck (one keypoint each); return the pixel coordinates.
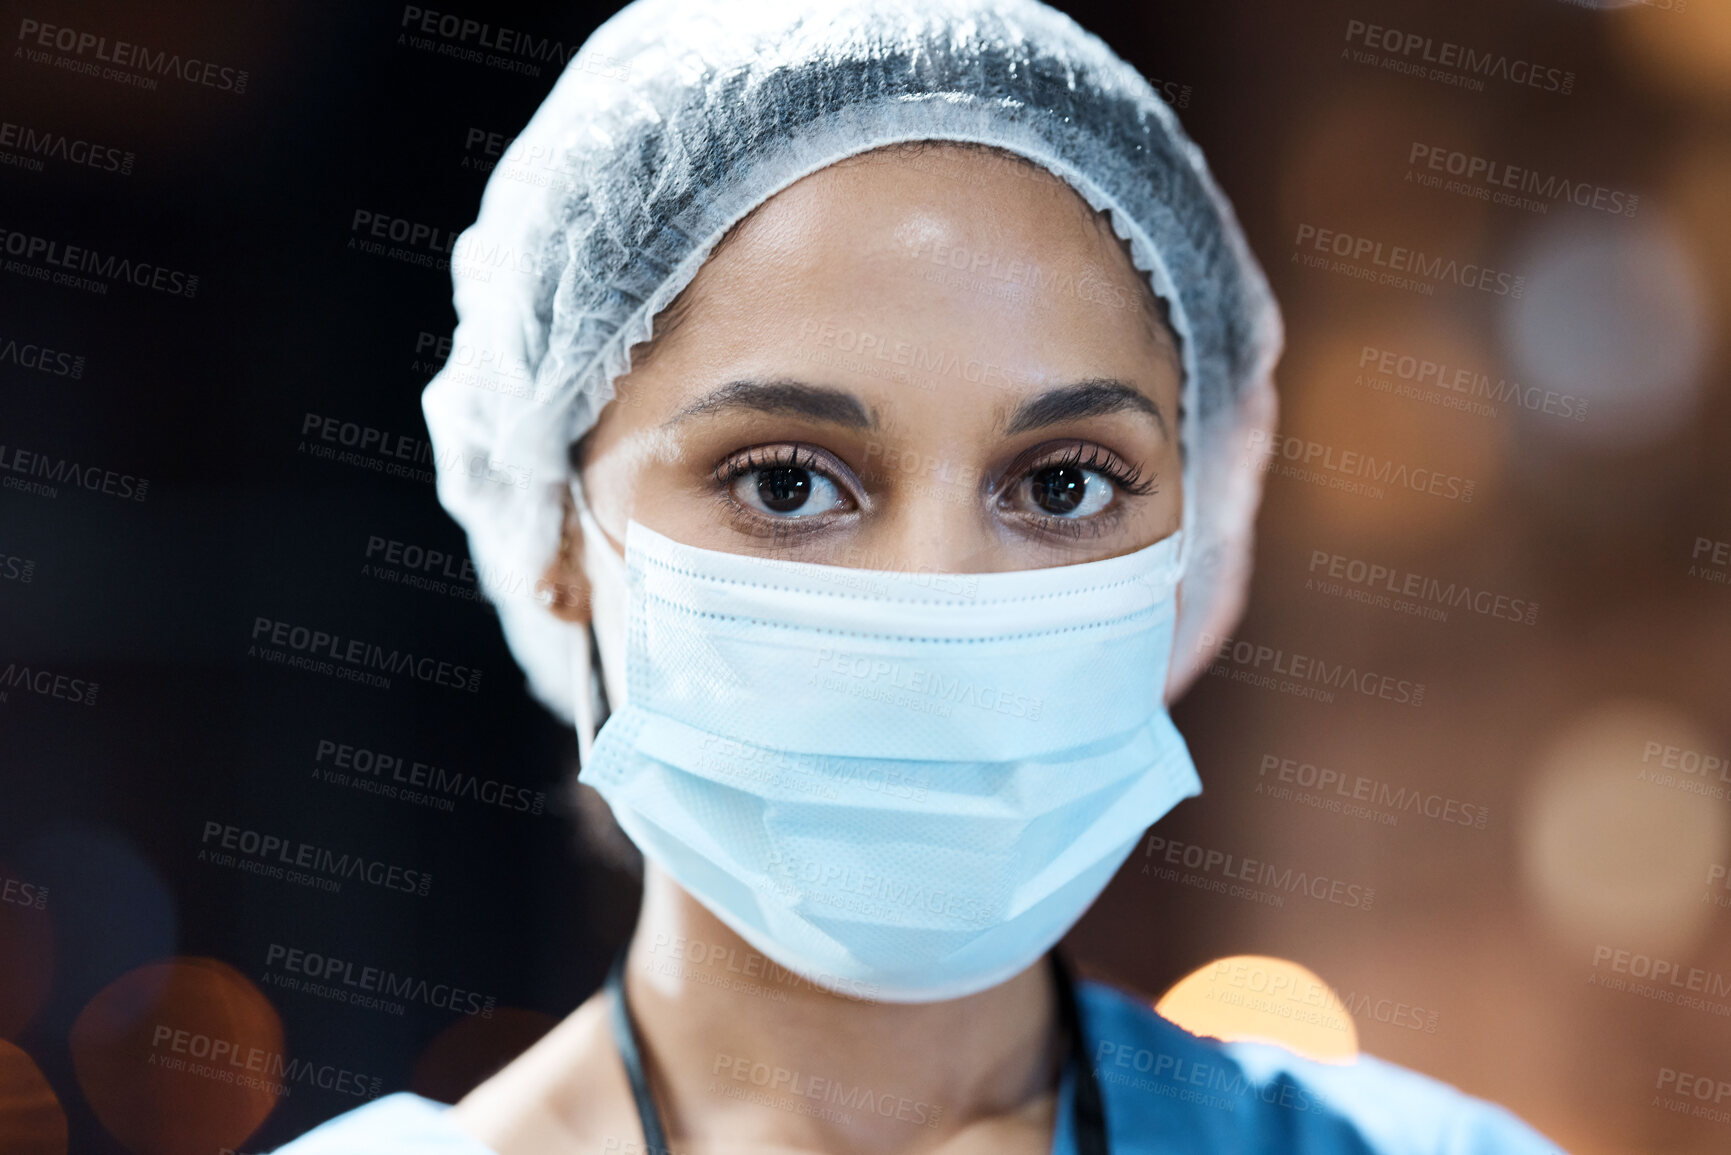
(736, 1045)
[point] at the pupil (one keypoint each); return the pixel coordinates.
(1059, 489)
(784, 488)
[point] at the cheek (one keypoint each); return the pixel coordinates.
(1165, 509)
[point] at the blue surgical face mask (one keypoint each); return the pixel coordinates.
(910, 784)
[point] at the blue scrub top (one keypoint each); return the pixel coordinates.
(1166, 1091)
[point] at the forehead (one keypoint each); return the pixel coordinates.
(949, 251)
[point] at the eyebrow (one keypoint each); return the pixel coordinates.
(1094, 397)
(818, 402)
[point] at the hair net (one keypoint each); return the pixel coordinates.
(677, 117)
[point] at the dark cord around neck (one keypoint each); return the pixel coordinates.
(1089, 1109)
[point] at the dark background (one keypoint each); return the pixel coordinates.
(1494, 929)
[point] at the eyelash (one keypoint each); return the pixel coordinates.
(796, 456)
(793, 456)
(1124, 476)
(1104, 462)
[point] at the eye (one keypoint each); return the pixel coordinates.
(1068, 490)
(785, 483)
(1078, 483)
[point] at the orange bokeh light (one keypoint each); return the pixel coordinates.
(26, 964)
(1260, 999)
(31, 1120)
(181, 1055)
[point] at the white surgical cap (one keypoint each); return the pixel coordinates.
(678, 117)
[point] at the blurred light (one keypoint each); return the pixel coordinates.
(1613, 312)
(472, 1049)
(1333, 408)
(1615, 845)
(31, 1119)
(1694, 191)
(154, 1050)
(1686, 50)
(1259, 999)
(26, 963)
(1349, 165)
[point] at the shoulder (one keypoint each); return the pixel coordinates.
(400, 1124)
(1158, 1079)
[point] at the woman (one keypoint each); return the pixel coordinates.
(894, 366)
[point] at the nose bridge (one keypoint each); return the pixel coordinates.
(935, 518)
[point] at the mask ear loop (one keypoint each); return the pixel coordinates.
(591, 707)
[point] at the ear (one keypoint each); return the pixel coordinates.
(564, 584)
(1231, 475)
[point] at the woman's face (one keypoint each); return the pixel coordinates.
(939, 362)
